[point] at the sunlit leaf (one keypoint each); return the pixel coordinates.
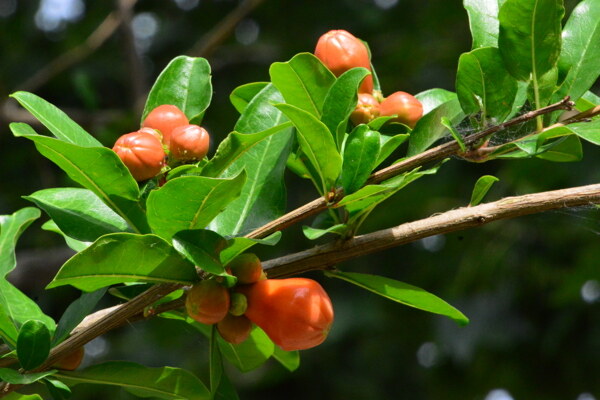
(403, 293)
(125, 257)
(186, 83)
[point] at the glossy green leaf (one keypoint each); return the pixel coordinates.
(589, 131)
(403, 293)
(318, 145)
(235, 146)
(75, 313)
(190, 202)
(455, 134)
(226, 390)
(125, 257)
(482, 186)
(158, 383)
(360, 155)
(98, 169)
(388, 144)
(567, 149)
(579, 61)
(263, 196)
(429, 129)
(73, 244)
(303, 81)
(33, 344)
(57, 122)
(289, 359)
(12, 376)
(530, 36)
(57, 389)
(79, 213)
(202, 248)
(360, 203)
(432, 98)
(251, 353)
(11, 228)
(186, 83)
(484, 85)
(15, 309)
(483, 21)
(341, 100)
(546, 86)
(587, 101)
(238, 245)
(315, 233)
(241, 96)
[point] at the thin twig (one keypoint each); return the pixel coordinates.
(209, 42)
(327, 255)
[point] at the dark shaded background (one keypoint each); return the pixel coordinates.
(531, 286)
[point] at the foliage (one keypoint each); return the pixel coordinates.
(127, 234)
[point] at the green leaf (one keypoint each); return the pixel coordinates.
(318, 145)
(75, 313)
(483, 21)
(289, 359)
(11, 228)
(587, 101)
(57, 389)
(12, 376)
(579, 61)
(429, 128)
(388, 144)
(79, 213)
(315, 233)
(482, 186)
(190, 202)
(263, 196)
(303, 81)
(216, 362)
(243, 95)
(546, 85)
(432, 98)
(184, 83)
(125, 257)
(455, 134)
(98, 169)
(202, 248)
(159, 383)
(238, 245)
(57, 122)
(403, 293)
(484, 85)
(33, 344)
(360, 155)
(530, 36)
(589, 131)
(235, 146)
(567, 149)
(251, 353)
(15, 309)
(341, 100)
(73, 244)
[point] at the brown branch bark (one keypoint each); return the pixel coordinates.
(325, 256)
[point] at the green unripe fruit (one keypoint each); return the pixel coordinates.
(246, 268)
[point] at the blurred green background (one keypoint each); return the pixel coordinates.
(530, 286)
